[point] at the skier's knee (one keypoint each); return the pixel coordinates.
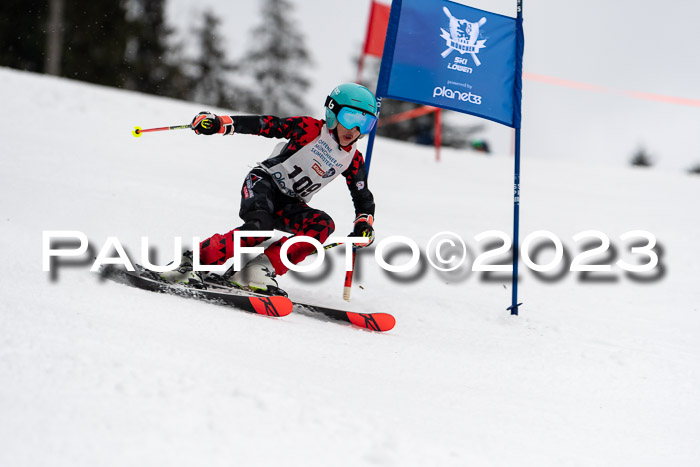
(324, 225)
(258, 220)
(331, 226)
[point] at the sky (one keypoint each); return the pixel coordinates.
(619, 46)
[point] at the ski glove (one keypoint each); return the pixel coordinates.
(205, 123)
(363, 228)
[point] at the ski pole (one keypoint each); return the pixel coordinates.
(326, 247)
(139, 131)
(332, 245)
(348, 274)
(347, 288)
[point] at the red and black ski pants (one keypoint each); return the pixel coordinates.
(265, 207)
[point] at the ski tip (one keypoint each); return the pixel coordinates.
(374, 321)
(276, 305)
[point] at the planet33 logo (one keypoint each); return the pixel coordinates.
(442, 91)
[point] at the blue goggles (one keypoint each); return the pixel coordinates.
(351, 117)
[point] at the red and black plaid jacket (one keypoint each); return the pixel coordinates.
(300, 131)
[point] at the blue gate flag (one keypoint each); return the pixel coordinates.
(453, 56)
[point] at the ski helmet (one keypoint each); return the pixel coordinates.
(356, 97)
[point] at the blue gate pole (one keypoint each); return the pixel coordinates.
(516, 224)
(370, 141)
(516, 175)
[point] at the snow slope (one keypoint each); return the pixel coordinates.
(593, 372)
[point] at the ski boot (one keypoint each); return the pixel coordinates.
(184, 273)
(257, 276)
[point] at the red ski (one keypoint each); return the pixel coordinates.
(253, 303)
(373, 321)
(276, 305)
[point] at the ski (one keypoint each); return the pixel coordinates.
(276, 305)
(253, 303)
(372, 321)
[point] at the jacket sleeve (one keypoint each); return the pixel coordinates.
(356, 177)
(299, 129)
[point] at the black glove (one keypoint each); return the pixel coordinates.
(205, 123)
(363, 228)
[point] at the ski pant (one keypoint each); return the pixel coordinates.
(265, 207)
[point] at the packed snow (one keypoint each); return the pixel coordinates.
(598, 369)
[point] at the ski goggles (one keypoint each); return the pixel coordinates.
(351, 117)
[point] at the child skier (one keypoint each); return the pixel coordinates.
(275, 193)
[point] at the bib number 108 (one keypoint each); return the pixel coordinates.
(304, 186)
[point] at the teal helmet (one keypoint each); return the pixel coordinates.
(352, 105)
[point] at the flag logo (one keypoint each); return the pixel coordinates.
(452, 56)
(463, 37)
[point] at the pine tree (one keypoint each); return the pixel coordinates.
(123, 43)
(212, 82)
(94, 41)
(22, 34)
(641, 158)
(81, 40)
(277, 61)
(153, 62)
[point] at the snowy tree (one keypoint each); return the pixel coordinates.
(695, 169)
(210, 83)
(94, 40)
(153, 61)
(21, 34)
(78, 40)
(641, 158)
(277, 61)
(212, 75)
